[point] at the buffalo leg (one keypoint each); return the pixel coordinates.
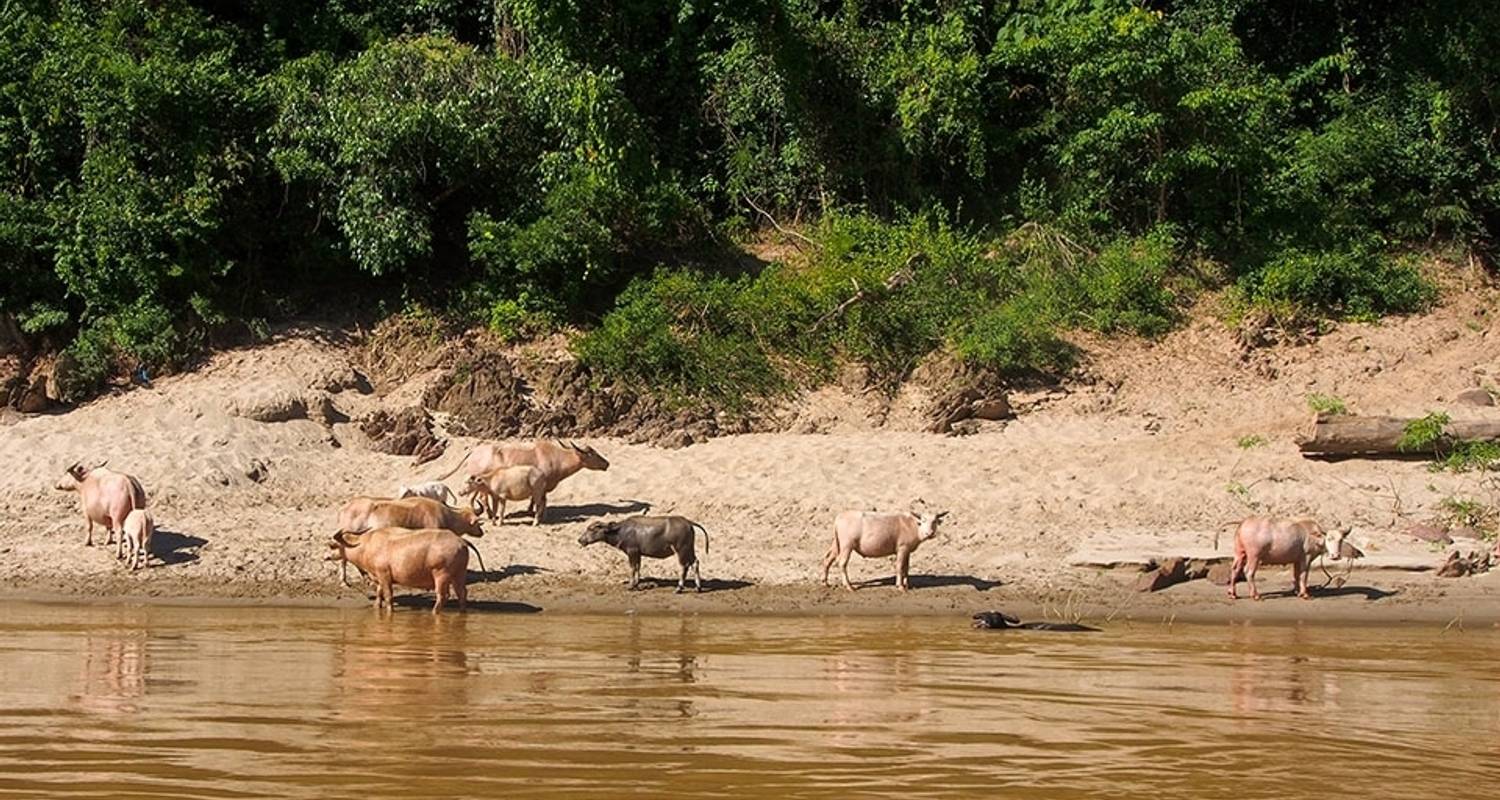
(697, 576)
(833, 555)
(383, 599)
(1299, 579)
(1251, 566)
(439, 588)
(540, 502)
(89, 542)
(844, 568)
(682, 578)
(903, 569)
(461, 590)
(635, 571)
(1234, 575)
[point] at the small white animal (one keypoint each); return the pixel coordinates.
(435, 490)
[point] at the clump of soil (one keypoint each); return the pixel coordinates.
(407, 432)
(485, 388)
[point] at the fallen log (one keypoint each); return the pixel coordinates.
(1345, 435)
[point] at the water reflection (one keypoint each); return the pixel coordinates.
(112, 672)
(327, 704)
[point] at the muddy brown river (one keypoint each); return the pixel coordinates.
(183, 702)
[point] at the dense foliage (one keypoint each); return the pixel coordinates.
(982, 174)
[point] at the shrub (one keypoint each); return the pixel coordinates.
(1356, 283)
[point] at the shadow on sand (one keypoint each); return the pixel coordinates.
(709, 584)
(929, 582)
(511, 571)
(580, 513)
(173, 547)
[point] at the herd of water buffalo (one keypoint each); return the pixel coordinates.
(416, 538)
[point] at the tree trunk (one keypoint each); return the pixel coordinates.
(1342, 435)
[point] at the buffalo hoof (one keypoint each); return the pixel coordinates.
(678, 590)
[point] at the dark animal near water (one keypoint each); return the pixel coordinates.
(653, 537)
(998, 620)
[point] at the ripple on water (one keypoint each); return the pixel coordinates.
(202, 702)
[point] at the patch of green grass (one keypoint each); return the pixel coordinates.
(1467, 456)
(1425, 434)
(1251, 441)
(1326, 404)
(1240, 492)
(1466, 512)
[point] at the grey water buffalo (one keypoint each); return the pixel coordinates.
(556, 459)
(107, 497)
(653, 537)
(433, 490)
(433, 559)
(413, 513)
(491, 491)
(136, 533)
(874, 534)
(1269, 540)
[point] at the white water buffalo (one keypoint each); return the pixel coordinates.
(136, 533)
(432, 559)
(107, 497)
(653, 537)
(491, 491)
(433, 490)
(1268, 540)
(413, 513)
(876, 535)
(556, 459)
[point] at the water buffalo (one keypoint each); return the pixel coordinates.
(431, 558)
(107, 497)
(653, 537)
(556, 459)
(1268, 540)
(368, 513)
(490, 491)
(434, 490)
(137, 532)
(876, 535)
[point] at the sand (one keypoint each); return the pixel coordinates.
(1141, 448)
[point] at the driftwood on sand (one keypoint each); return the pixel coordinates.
(1344, 435)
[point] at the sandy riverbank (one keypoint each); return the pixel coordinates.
(1147, 446)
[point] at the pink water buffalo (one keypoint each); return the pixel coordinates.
(107, 497)
(877, 535)
(432, 558)
(1269, 540)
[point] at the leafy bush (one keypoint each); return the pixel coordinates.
(883, 295)
(1355, 284)
(519, 163)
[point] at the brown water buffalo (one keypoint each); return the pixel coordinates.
(430, 558)
(877, 535)
(368, 513)
(556, 459)
(1269, 540)
(107, 497)
(653, 537)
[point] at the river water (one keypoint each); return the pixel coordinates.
(101, 701)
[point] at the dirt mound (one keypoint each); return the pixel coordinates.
(485, 388)
(407, 432)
